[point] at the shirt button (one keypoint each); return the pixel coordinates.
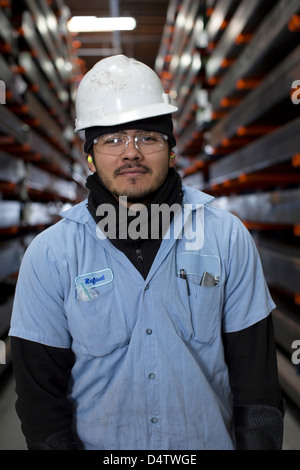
(151, 376)
(154, 420)
(149, 331)
(147, 287)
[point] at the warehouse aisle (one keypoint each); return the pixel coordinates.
(11, 437)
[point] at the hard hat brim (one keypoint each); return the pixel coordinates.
(148, 111)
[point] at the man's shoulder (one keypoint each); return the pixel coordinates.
(77, 213)
(65, 228)
(194, 196)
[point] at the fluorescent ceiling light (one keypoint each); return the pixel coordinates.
(81, 24)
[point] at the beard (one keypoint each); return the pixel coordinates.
(134, 192)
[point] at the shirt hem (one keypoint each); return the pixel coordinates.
(37, 339)
(252, 321)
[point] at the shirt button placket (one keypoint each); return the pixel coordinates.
(151, 376)
(154, 419)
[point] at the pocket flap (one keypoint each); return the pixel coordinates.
(196, 264)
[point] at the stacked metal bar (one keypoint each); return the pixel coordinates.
(42, 168)
(238, 133)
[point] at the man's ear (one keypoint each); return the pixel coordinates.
(171, 159)
(90, 163)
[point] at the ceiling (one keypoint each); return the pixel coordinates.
(142, 43)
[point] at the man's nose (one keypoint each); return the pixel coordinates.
(131, 151)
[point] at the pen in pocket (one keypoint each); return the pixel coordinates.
(184, 276)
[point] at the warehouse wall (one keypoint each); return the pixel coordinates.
(42, 169)
(233, 67)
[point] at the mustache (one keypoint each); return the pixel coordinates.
(131, 166)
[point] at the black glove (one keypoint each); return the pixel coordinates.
(63, 440)
(258, 427)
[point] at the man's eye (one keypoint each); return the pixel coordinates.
(114, 141)
(148, 139)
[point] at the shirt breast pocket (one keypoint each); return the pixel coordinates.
(100, 324)
(205, 310)
(198, 277)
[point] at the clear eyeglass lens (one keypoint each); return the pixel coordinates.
(115, 144)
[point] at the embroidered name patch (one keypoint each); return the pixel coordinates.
(95, 279)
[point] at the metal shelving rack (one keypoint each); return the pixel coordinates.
(42, 169)
(237, 130)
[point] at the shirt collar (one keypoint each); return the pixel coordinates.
(79, 213)
(193, 196)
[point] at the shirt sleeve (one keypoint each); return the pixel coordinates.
(38, 311)
(247, 298)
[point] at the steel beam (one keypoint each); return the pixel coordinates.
(244, 14)
(289, 378)
(276, 147)
(268, 34)
(275, 88)
(281, 264)
(274, 207)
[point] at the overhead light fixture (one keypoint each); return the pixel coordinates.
(84, 24)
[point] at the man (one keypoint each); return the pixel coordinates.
(130, 332)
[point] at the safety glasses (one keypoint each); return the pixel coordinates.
(116, 144)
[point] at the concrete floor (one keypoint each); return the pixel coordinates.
(11, 437)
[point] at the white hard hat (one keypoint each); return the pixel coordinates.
(119, 90)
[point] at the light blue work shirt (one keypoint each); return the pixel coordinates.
(150, 370)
